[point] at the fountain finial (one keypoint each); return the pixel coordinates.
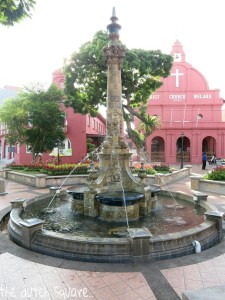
(113, 15)
(114, 27)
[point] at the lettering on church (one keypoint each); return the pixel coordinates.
(177, 97)
(202, 96)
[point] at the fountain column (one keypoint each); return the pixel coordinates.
(114, 169)
(114, 54)
(115, 155)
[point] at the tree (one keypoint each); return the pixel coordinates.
(86, 76)
(14, 11)
(34, 118)
(90, 148)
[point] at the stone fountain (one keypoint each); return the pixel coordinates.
(112, 195)
(115, 178)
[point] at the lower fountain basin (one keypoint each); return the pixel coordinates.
(118, 248)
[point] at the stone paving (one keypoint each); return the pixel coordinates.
(28, 275)
(24, 279)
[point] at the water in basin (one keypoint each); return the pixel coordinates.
(163, 219)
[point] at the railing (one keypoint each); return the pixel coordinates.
(158, 156)
(186, 156)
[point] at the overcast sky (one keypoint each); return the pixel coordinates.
(32, 50)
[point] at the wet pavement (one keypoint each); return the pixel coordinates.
(28, 275)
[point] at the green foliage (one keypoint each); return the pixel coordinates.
(54, 170)
(137, 137)
(14, 11)
(217, 174)
(34, 118)
(160, 168)
(87, 70)
(142, 71)
(90, 148)
(81, 168)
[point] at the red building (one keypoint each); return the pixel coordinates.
(5, 149)
(192, 116)
(77, 128)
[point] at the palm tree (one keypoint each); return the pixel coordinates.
(145, 129)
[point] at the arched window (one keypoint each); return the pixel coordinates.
(66, 149)
(28, 148)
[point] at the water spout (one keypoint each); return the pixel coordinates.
(58, 191)
(176, 205)
(197, 246)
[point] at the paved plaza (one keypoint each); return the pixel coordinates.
(28, 275)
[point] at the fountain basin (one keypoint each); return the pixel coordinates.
(119, 198)
(76, 195)
(111, 206)
(117, 249)
(117, 206)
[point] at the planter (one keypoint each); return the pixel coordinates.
(212, 186)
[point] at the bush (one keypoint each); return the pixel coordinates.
(53, 169)
(217, 174)
(160, 168)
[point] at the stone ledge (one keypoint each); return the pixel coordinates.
(199, 194)
(205, 185)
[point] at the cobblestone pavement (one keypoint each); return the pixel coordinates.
(28, 275)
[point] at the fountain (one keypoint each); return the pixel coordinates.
(112, 195)
(115, 177)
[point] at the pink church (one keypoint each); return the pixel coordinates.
(192, 116)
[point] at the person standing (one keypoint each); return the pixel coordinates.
(204, 159)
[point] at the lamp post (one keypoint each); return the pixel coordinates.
(182, 151)
(58, 144)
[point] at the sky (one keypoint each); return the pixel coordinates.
(32, 50)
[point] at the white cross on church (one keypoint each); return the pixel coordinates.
(177, 74)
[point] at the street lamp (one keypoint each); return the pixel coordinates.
(58, 145)
(182, 150)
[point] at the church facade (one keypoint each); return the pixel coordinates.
(192, 116)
